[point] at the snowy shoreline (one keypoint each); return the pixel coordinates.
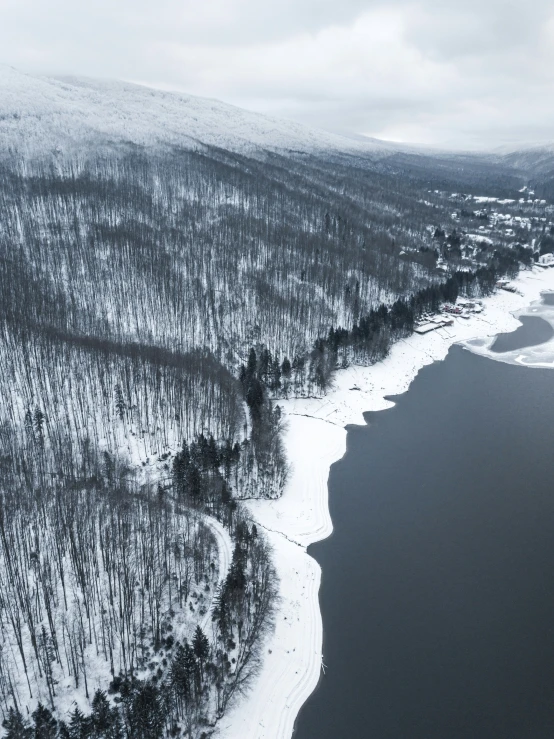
(315, 439)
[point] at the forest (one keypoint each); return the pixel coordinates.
(155, 306)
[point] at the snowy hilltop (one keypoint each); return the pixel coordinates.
(39, 114)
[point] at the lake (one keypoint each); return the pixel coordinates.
(437, 591)
(532, 332)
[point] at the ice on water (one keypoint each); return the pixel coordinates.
(539, 356)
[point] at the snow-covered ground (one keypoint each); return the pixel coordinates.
(58, 114)
(316, 438)
(225, 555)
(538, 356)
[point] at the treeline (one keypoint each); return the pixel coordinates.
(372, 336)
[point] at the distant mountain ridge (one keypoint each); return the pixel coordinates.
(535, 162)
(38, 113)
(538, 158)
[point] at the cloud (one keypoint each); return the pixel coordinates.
(436, 71)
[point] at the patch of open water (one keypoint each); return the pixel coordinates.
(437, 592)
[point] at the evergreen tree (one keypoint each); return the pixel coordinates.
(212, 453)
(195, 484)
(181, 465)
(45, 725)
(264, 364)
(80, 726)
(16, 726)
(179, 675)
(105, 720)
(255, 399)
(146, 716)
(201, 647)
(192, 667)
(252, 363)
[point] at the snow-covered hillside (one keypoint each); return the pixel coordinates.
(40, 114)
(537, 159)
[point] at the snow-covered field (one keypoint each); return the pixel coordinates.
(316, 438)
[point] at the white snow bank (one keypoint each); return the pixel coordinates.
(293, 653)
(315, 439)
(538, 356)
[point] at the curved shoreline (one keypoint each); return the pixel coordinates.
(315, 439)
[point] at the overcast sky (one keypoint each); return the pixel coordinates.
(442, 72)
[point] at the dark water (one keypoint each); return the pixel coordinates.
(533, 331)
(548, 298)
(438, 582)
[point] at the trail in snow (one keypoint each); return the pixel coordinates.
(225, 555)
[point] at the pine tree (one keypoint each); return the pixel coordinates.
(212, 453)
(179, 676)
(80, 726)
(146, 717)
(105, 720)
(252, 363)
(275, 375)
(201, 647)
(16, 726)
(45, 725)
(191, 667)
(181, 464)
(265, 363)
(195, 484)
(255, 399)
(227, 457)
